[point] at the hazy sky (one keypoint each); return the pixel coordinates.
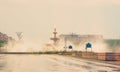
(37, 18)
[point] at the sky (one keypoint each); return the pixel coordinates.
(38, 18)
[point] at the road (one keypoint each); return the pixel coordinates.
(52, 63)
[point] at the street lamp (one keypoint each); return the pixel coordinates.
(65, 47)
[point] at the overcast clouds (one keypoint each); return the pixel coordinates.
(37, 18)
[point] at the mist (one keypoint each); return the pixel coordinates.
(23, 46)
(36, 19)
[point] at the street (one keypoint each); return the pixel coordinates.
(52, 63)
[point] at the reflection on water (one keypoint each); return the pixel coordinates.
(2, 62)
(50, 63)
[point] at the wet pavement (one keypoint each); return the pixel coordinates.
(52, 63)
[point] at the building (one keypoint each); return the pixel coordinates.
(77, 39)
(99, 44)
(102, 49)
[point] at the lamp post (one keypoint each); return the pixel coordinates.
(65, 47)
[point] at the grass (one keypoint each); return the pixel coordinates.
(47, 52)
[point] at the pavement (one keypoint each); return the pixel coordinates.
(53, 63)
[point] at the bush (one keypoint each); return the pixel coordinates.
(2, 43)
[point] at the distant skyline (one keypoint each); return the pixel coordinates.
(38, 18)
